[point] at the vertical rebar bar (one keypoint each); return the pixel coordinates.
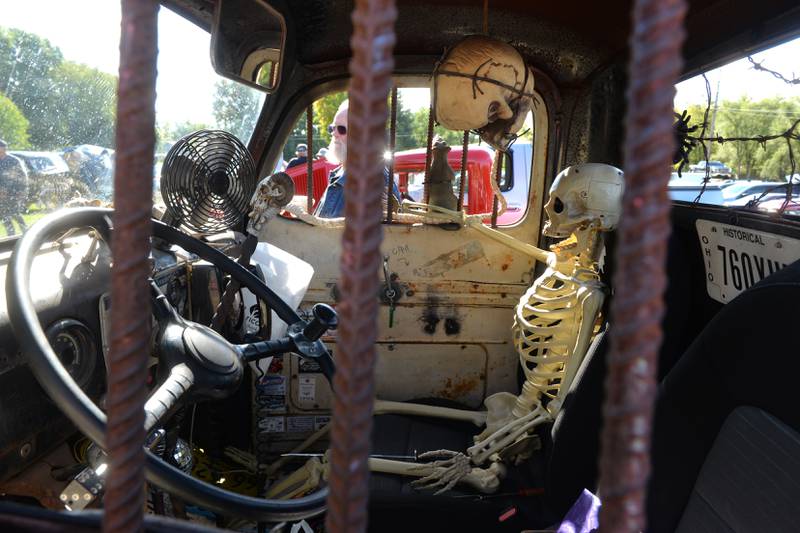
(310, 157)
(428, 148)
(130, 326)
(371, 78)
(392, 145)
(498, 171)
(640, 279)
(464, 171)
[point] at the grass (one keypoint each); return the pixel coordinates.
(34, 213)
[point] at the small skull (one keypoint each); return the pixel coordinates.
(582, 195)
(483, 84)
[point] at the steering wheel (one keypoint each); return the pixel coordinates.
(201, 363)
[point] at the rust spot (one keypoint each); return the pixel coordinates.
(504, 267)
(455, 389)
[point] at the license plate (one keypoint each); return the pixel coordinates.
(737, 258)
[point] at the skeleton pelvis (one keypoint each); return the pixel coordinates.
(498, 412)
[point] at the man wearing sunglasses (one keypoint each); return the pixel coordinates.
(331, 204)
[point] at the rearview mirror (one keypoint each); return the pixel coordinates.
(247, 43)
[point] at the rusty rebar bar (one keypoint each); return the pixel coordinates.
(464, 171)
(640, 278)
(130, 294)
(428, 156)
(392, 146)
(498, 171)
(310, 158)
(371, 69)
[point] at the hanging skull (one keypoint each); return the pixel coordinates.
(483, 84)
(582, 194)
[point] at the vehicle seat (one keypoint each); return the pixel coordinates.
(745, 356)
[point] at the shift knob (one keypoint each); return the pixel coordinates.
(325, 318)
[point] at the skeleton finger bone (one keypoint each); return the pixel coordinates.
(302, 480)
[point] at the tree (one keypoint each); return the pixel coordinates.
(27, 62)
(324, 111)
(83, 100)
(13, 124)
(236, 108)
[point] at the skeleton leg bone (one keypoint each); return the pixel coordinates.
(414, 409)
(302, 480)
(485, 480)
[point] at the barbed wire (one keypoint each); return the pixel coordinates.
(777, 75)
(687, 141)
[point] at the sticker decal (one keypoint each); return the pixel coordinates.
(320, 421)
(300, 424)
(737, 258)
(272, 424)
(308, 388)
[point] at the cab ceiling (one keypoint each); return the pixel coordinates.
(566, 38)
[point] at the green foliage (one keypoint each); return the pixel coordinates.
(84, 103)
(64, 102)
(13, 125)
(236, 108)
(324, 111)
(420, 131)
(746, 118)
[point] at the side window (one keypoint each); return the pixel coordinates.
(328, 146)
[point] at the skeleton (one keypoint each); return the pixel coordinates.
(554, 324)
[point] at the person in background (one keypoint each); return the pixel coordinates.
(13, 190)
(300, 156)
(331, 205)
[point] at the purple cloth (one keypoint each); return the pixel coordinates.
(583, 515)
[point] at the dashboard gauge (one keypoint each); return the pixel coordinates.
(74, 345)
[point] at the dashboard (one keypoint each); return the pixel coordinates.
(70, 284)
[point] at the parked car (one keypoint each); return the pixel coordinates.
(740, 193)
(716, 168)
(48, 177)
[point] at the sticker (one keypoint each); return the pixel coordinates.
(300, 424)
(271, 404)
(309, 367)
(737, 258)
(275, 365)
(272, 424)
(308, 389)
(271, 385)
(321, 421)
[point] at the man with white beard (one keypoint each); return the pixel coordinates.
(331, 204)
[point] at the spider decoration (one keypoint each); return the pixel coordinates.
(683, 142)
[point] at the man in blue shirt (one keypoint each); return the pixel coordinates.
(331, 205)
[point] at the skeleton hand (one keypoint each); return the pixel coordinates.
(447, 471)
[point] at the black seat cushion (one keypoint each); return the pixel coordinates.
(744, 356)
(750, 481)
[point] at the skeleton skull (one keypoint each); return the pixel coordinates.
(582, 194)
(483, 84)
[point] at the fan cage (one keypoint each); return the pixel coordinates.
(207, 180)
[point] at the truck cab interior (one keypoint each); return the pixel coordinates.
(247, 310)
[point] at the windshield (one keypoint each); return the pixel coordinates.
(58, 78)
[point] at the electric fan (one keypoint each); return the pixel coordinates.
(207, 180)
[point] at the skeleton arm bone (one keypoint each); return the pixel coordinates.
(401, 408)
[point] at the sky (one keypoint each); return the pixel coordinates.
(88, 32)
(90, 35)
